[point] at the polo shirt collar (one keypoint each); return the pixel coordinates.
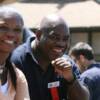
(29, 49)
(28, 45)
(94, 65)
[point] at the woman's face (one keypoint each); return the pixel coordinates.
(10, 33)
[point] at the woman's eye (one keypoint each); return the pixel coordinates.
(4, 29)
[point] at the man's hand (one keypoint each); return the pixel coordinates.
(64, 68)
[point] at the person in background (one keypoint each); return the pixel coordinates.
(13, 84)
(83, 55)
(27, 33)
(51, 74)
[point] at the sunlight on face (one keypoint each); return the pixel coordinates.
(11, 28)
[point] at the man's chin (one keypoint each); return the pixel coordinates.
(55, 57)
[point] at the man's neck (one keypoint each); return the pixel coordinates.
(42, 61)
(40, 57)
(91, 62)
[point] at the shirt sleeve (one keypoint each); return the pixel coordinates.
(89, 82)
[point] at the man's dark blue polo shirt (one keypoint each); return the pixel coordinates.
(38, 79)
(91, 77)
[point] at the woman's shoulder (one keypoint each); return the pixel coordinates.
(22, 92)
(20, 75)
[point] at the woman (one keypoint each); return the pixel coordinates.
(13, 84)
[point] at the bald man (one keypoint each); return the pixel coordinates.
(51, 75)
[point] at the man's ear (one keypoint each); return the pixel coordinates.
(82, 57)
(38, 34)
